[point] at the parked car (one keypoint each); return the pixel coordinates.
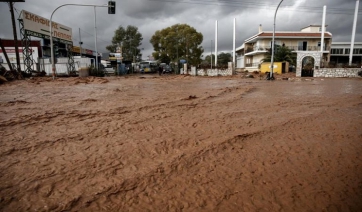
(166, 68)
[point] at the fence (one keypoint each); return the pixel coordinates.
(340, 65)
(62, 65)
(22, 66)
(208, 72)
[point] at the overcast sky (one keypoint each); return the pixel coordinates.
(152, 15)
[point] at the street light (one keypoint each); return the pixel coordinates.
(272, 56)
(51, 32)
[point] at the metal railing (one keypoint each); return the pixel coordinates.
(251, 64)
(257, 48)
(293, 48)
(308, 48)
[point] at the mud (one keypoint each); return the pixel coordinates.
(181, 143)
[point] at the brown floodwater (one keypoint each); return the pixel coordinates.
(181, 143)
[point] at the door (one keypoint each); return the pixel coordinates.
(302, 45)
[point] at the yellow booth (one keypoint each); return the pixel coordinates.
(279, 67)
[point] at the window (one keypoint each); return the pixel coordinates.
(357, 51)
(336, 51)
(346, 51)
(277, 43)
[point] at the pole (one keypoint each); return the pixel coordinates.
(216, 44)
(51, 31)
(80, 45)
(177, 71)
(234, 37)
(272, 56)
(211, 55)
(15, 37)
(51, 44)
(95, 37)
(323, 28)
(353, 32)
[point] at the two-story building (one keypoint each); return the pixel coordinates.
(251, 54)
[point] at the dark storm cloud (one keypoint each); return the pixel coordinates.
(152, 15)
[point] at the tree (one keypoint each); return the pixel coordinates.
(179, 41)
(207, 60)
(281, 54)
(223, 59)
(130, 39)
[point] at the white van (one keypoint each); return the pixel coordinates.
(107, 67)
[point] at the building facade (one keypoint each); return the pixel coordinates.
(340, 52)
(251, 54)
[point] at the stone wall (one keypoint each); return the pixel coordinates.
(336, 72)
(209, 72)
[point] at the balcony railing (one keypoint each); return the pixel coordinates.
(251, 64)
(257, 48)
(308, 48)
(293, 48)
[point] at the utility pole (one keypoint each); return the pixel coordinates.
(80, 45)
(234, 38)
(211, 55)
(216, 26)
(11, 4)
(176, 71)
(95, 37)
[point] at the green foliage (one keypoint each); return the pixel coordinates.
(223, 59)
(130, 39)
(208, 59)
(179, 41)
(281, 54)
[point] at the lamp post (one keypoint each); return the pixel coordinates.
(272, 56)
(51, 32)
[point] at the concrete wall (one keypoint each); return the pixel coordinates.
(336, 72)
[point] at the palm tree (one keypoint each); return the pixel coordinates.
(281, 54)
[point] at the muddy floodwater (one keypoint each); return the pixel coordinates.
(181, 143)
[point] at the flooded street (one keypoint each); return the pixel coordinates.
(181, 143)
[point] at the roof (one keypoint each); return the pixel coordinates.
(345, 43)
(313, 26)
(297, 34)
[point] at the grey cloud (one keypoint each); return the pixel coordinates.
(150, 16)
